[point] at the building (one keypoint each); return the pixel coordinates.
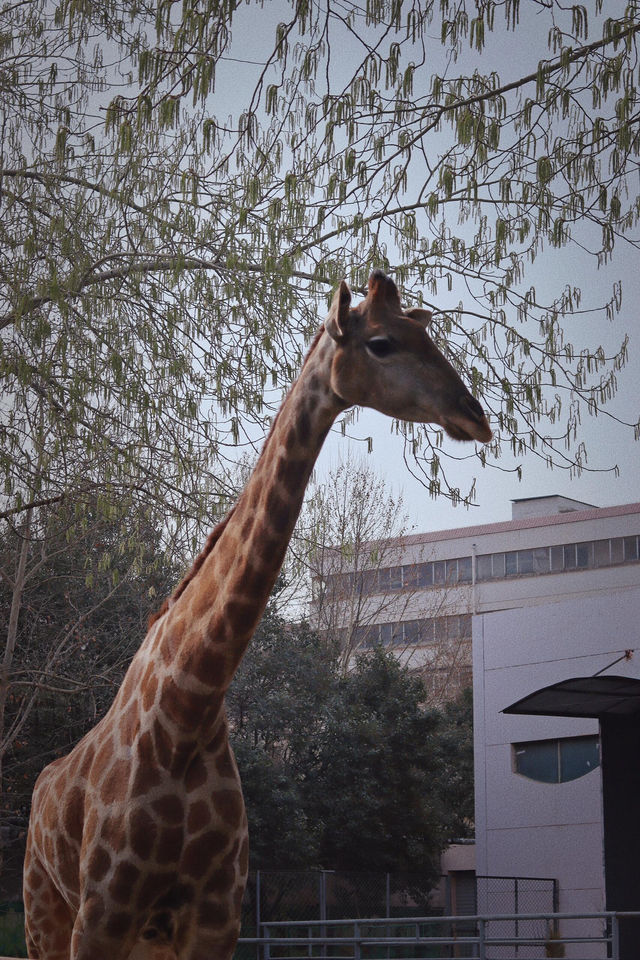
(543, 612)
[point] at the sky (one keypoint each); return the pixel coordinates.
(609, 444)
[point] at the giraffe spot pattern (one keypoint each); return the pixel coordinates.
(170, 844)
(181, 706)
(229, 805)
(278, 511)
(242, 615)
(196, 775)
(217, 630)
(199, 816)
(225, 764)
(99, 863)
(221, 880)
(169, 808)
(163, 744)
(123, 880)
(213, 913)
(209, 665)
(303, 428)
(73, 815)
(115, 782)
(142, 833)
(118, 924)
(149, 691)
(293, 474)
(199, 853)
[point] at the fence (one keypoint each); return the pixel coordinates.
(588, 935)
(274, 895)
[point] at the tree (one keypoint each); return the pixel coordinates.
(374, 774)
(156, 250)
(350, 543)
(276, 705)
(171, 229)
(344, 537)
(84, 596)
(347, 772)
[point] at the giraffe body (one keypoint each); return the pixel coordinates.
(138, 844)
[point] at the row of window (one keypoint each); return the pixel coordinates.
(556, 761)
(590, 554)
(403, 633)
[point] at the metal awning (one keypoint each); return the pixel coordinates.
(582, 697)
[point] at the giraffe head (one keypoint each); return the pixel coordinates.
(385, 359)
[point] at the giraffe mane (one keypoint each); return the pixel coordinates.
(210, 543)
(218, 530)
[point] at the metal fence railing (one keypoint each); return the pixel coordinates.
(274, 895)
(571, 935)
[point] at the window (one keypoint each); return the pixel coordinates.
(541, 562)
(631, 548)
(556, 761)
(451, 571)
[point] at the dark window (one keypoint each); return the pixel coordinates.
(424, 574)
(412, 631)
(410, 575)
(541, 562)
(557, 761)
(537, 761)
(583, 555)
(438, 571)
(617, 550)
(578, 756)
(557, 559)
(464, 570)
(465, 625)
(483, 567)
(602, 554)
(525, 561)
(384, 578)
(386, 633)
(570, 556)
(453, 628)
(631, 548)
(395, 578)
(511, 563)
(366, 636)
(498, 565)
(440, 629)
(451, 571)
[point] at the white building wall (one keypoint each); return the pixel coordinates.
(526, 828)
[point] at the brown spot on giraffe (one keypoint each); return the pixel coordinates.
(152, 793)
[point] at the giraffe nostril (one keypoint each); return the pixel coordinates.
(473, 408)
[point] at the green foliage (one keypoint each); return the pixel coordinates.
(12, 942)
(153, 217)
(346, 772)
(87, 596)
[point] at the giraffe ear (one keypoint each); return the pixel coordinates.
(422, 316)
(336, 322)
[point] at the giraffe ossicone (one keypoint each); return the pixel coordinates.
(138, 843)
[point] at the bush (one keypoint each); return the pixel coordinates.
(12, 943)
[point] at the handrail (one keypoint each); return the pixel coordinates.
(477, 933)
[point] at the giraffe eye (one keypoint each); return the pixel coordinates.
(380, 346)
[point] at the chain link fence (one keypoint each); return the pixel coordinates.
(274, 895)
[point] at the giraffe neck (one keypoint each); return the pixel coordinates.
(207, 629)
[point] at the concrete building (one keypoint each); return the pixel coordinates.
(543, 612)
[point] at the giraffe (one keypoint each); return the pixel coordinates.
(138, 845)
